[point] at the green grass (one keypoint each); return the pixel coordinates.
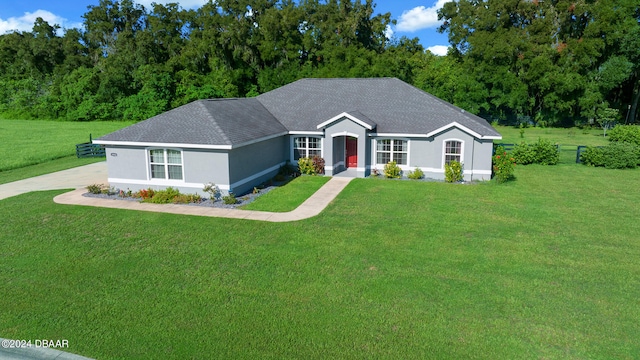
(31, 142)
(45, 168)
(569, 139)
(289, 196)
(543, 267)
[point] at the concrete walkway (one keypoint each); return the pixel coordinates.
(311, 207)
(96, 173)
(77, 177)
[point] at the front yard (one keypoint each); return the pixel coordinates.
(543, 267)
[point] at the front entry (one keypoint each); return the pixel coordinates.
(351, 153)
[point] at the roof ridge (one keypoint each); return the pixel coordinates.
(214, 122)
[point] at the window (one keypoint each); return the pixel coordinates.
(452, 151)
(306, 147)
(388, 150)
(166, 164)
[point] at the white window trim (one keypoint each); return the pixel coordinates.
(292, 142)
(444, 149)
(374, 146)
(166, 180)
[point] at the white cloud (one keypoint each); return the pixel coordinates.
(25, 22)
(440, 50)
(185, 4)
(420, 17)
(388, 32)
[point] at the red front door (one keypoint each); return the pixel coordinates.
(352, 152)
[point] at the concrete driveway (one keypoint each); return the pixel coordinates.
(80, 176)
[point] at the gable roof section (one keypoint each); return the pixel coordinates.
(355, 116)
(395, 106)
(222, 122)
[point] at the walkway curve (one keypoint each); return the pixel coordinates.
(311, 207)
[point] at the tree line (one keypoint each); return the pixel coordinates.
(543, 62)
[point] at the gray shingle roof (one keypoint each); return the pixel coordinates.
(389, 105)
(205, 122)
(395, 106)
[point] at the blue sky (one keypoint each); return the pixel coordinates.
(415, 18)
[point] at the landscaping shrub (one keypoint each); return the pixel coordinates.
(229, 199)
(392, 170)
(546, 152)
(617, 155)
(318, 164)
(306, 166)
(417, 174)
(95, 188)
(625, 133)
(502, 165)
(212, 190)
(621, 155)
(165, 196)
(187, 199)
(145, 194)
(287, 170)
(542, 152)
(453, 172)
(592, 156)
(523, 154)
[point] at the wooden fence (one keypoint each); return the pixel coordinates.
(89, 149)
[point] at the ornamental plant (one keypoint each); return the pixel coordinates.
(503, 165)
(392, 170)
(417, 174)
(306, 166)
(318, 164)
(453, 171)
(212, 190)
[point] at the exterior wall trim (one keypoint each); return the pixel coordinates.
(348, 116)
(465, 129)
(187, 146)
(344, 133)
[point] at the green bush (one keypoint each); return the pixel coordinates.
(621, 155)
(523, 154)
(165, 196)
(392, 170)
(502, 165)
(617, 155)
(95, 188)
(187, 199)
(546, 152)
(625, 133)
(542, 152)
(230, 199)
(592, 156)
(417, 174)
(306, 166)
(453, 172)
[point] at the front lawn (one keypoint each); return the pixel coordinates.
(290, 196)
(543, 267)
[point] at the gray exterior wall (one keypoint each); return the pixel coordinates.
(251, 165)
(428, 155)
(126, 162)
(341, 129)
(128, 168)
